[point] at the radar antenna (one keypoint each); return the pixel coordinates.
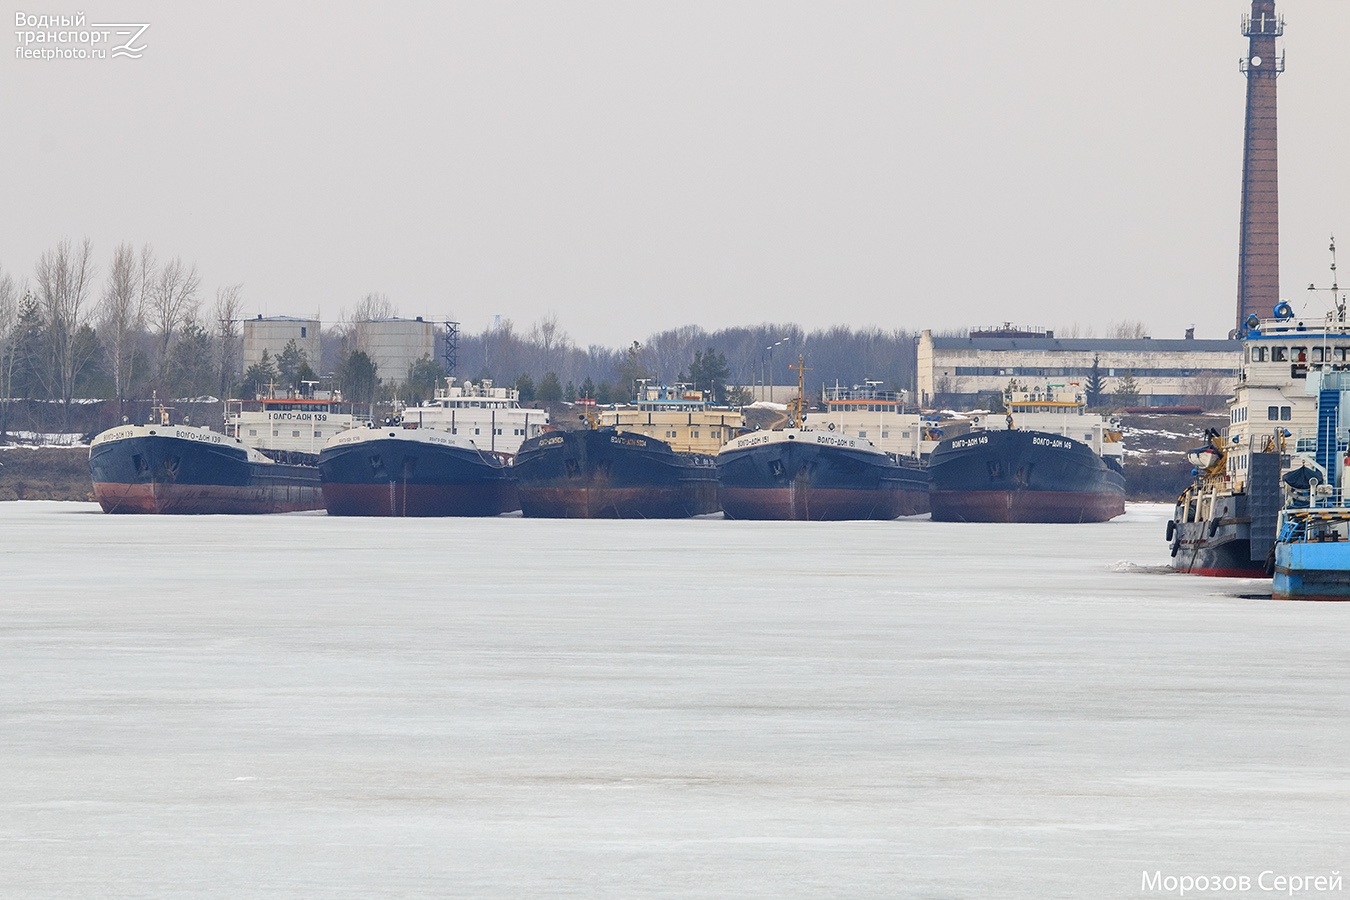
(1337, 298)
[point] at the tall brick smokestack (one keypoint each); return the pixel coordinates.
(1259, 244)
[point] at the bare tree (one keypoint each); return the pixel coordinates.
(1210, 389)
(551, 341)
(121, 313)
(374, 306)
(1076, 330)
(1128, 329)
(9, 340)
(226, 312)
(63, 276)
(173, 302)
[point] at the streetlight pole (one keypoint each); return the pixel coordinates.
(770, 372)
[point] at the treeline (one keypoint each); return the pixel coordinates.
(545, 355)
(135, 324)
(146, 326)
(140, 326)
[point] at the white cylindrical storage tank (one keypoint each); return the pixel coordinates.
(395, 344)
(274, 333)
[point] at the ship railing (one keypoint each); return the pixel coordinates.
(858, 393)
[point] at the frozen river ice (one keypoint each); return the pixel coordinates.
(303, 706)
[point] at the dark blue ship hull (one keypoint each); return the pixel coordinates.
(1219, 545)
(610, 474)
(1022, 476)
(169, 475)
(1230, 535)
(796, 480)
(402, 477)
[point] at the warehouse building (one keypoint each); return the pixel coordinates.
(974, 370)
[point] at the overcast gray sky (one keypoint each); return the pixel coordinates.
(632, 166)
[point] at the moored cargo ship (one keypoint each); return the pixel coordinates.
(605, 473)
(261, 464)
(396, 471)
(648, 461)
(805, 474)
(448, 457)
(183, 469)
(825, 472)
(1046, 461)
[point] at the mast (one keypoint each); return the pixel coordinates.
(801, 388)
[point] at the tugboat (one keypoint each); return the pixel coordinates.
(1211, 530)
(815, 473)
(448, 457)
(261, 464)
(1047, 461)
(618, 468)
(1286, 403)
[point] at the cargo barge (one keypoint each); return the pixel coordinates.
(264, 462)
(182, 469)
(806, 475)
(649, 460)
(1047, 460)
(605, 473)
(448, 457)
(822, 472)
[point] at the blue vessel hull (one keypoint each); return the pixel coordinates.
(398, 477)
(1312, 570)
(801, 481)
(611, 474)
(169, 475)
(1022, 476)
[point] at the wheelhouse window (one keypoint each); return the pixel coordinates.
(1279, 354)
(1273, 413)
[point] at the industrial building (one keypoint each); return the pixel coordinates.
(395, 344)
(272, 334)
(974, 370)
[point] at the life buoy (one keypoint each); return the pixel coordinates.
(1283, 310)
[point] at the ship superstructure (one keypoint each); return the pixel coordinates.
(880, 417)
(678, 416)
(291, 426)
(491, 416)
